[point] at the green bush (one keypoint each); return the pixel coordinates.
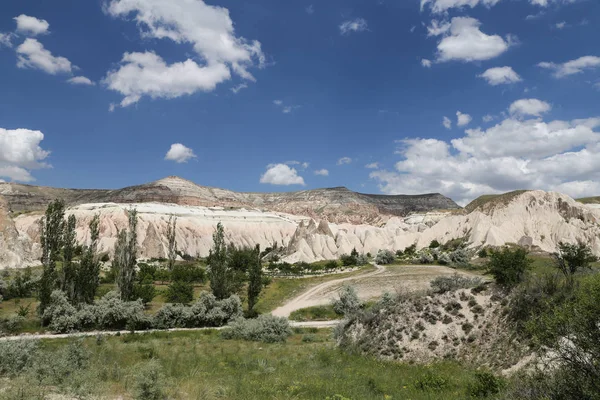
(483, 253)
(348, 260)
(431, 382)
(348, 302)
(384, 257)
(265, 328)
(509, 266)
(443, 284)
(180, 292)
(16, 356)
(207, 311)
(146, 292)
(434, 244)
(485, 384)
(148, 381)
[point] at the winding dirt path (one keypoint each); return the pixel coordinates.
(307, 299)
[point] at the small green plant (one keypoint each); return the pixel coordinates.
(509, 266)
(485, 384)
(431, 382)
(434, 244)
(265, 328)
(24, 311)
(149, 381)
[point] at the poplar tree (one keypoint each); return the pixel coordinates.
(51, 240)
(217, 261)
(88, 277)
(255, 279)
(68, 273)
(124, 260)
(171, 242)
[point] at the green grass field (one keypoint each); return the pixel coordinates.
(202, 365)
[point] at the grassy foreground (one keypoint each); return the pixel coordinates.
(202, 365)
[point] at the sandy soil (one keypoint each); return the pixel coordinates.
(391, 279)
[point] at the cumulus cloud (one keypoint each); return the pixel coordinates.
(179, 153)
(147, 74)
(487, 118)
(20, 152)
(441, 6)
(514, 154)
(572, 67)
(81, 80)
(500, 75)
(462, 40)
(209, 29)
(32, 54)
(285, 108)
(322, 172)
(533, 107)
(354, 25)
(426, 63)
(281, 174)
(374, 165)
(344, 160)
(462, 119)
(31, 26)
(447, 122)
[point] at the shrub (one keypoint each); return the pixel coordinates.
(460, 256)
(348, 260)
(431, 382)
(265, 328)
(434, 244)
(426, 258)
(410, 250)
(399, 253)
(105, 257)
(483, 253)
(485, 384)
(189, 273)
(206, 311)
(16, 356)
(60, 366)
(384, 257)
(348, 302)
(444, 259)
(509, 266)
(180, 292)
(572, 258)
(148, 381)
(11, 324)
(59, 314)
(362, 260)
(443, 284)
(110, 312)
(146, 292)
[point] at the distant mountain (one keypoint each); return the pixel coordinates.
(334, 204)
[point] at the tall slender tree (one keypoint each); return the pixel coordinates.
(88, 277)
(255, 279)
(171, 241)
(217, 261)
(68, 273)
(51, 239)
(124, 259)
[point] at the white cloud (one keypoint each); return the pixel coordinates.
(514, 154)
(344, 160)
(239, 87)
(32, 54)
(374, 165)
(281, 174)
(285, 108)
(560, 25)
(500, 75)
(355, 25)
(447, 123)
(310, 9)
(303, 165)
(426, 63)
(463, 41)
(441, 6)
(81, 80)
(209, 29)
(462, 119)
(488, 118)
(20, 152)
(322, 172)
(6, 39)
(179, 153)
(31, 26)
(572, 67)
(532, 107)
(147, 74)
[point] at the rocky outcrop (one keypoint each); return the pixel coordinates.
(535, 219)
(334, 205)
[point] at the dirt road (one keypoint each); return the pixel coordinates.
(391, 279)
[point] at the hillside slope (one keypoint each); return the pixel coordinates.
(334, 204)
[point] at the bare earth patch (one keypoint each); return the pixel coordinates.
(390, 279)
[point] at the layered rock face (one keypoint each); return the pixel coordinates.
(334, 205)
(532, 218)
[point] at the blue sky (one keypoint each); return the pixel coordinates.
(262, 95)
